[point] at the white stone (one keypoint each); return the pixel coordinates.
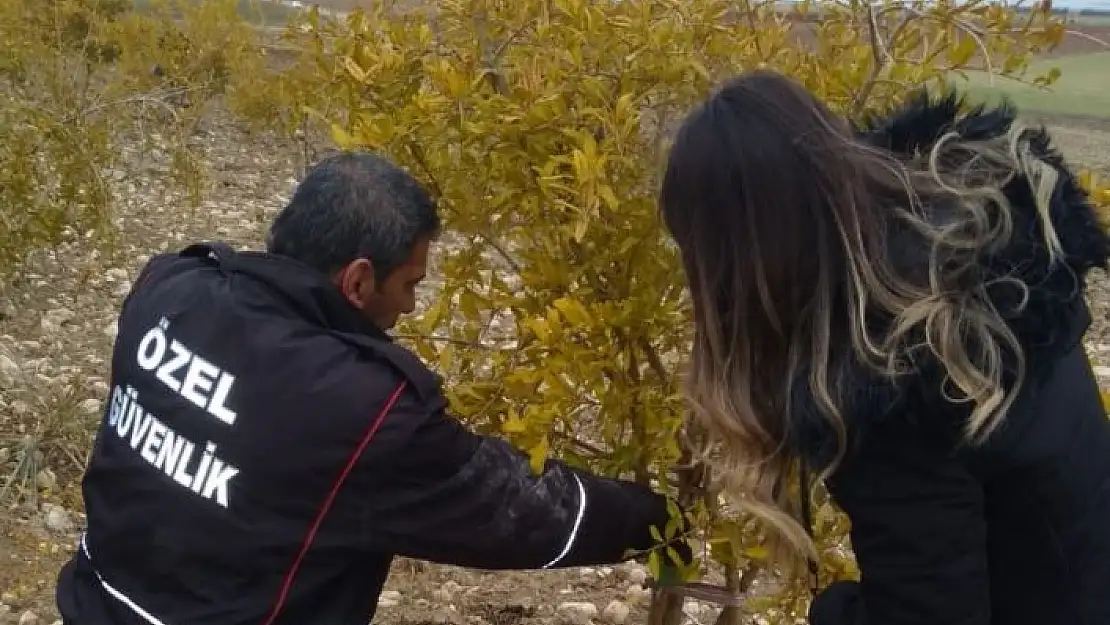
(28, 618)
(637, 594)
(90, 406)
(1102, 371)
(616, 613)
(9, 371)
(57, 518)
(635, 575)
(53, 320)
(389, 599)
(111, 330)
(46, 479)
(577, 612)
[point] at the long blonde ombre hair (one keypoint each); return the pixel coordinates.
(787, 227)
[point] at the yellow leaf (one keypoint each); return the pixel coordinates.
(654, 564)
(721, 551)
(514, 425)
(341, 138)
(572, 310)
(468, 304)
(431, 317)
(758, 552)
(446, 358)
(580, 229)
(537, 455)
(356, 72)
(539, 326)
(610, 198)
(963, 51)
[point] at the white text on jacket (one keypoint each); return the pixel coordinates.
(204, 384)
(168, 451)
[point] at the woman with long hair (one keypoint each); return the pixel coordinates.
(897, 309)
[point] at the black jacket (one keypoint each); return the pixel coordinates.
(1016, 531)
(265, 454)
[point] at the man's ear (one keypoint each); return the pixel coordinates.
(356, 282)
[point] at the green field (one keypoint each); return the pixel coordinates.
(1093, 20)
(1083, 88)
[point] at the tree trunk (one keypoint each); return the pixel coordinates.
(666, 608)
(734, 582)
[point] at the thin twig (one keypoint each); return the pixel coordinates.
(155, 99)
(654, 361)
(878, 62)
(453, 341)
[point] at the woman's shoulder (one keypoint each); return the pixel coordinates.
(1032, 286)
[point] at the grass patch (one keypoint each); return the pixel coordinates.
(1091, 20)
(1083, 88)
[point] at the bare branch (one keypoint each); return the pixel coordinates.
(454, 341)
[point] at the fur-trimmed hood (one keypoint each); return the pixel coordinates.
(1054, 316)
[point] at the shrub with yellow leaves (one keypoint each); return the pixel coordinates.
(79, 80)
(562, 320)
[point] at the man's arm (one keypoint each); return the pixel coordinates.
(451, 496)
(918, 533)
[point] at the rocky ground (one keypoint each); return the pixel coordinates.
(56, 329)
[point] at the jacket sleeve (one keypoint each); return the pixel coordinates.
(448, 495)
(918, 533)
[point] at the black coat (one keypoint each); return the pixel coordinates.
(265, 454)
(1016, 531)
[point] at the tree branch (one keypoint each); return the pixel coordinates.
(454, 341)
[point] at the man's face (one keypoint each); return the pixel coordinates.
(383, 302)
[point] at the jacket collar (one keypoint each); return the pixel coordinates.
(1054, 316)
(307, 291)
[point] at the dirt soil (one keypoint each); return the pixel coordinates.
(58, 345)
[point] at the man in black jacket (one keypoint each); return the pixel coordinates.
(267, 449)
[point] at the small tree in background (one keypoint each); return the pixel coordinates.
(81, 77)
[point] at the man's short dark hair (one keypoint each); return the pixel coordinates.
(354, 205)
